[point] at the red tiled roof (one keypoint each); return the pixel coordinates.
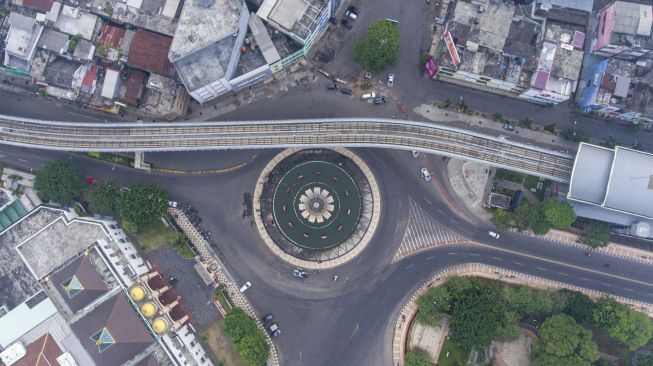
(135, 82)
(43, 5)
(88, 84)
(149, 51)
(111, 36)
(44, 351)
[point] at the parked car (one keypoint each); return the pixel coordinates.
(91, 180)
(345, 23)
(274, 330)
(370, 95)
(368, 75)
(245, 286)
(352, 12)
(266, 318)
(426, 174)
(347, 91)
(493, 234)
(508, 126)
(299, 273)
(173, 204)
(415, 154)
(332, 86)
(391, 80)
(380, 100)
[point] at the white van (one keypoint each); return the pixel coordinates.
(493, 234)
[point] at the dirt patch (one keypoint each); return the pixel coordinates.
(222, 349)
(514, 353)
(429, 338)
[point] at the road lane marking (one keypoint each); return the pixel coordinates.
(540, 268)
(629, 289)
(474, 254)
(607, 284)
(497, 258)
(452, 253)
(354, 332)
(584, 279)
(427, 200)
(518, 263)
(649, 284)
(410, 266)
(431, 257)
(562, 273)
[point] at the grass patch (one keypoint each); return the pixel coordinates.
(112, 158)
(221, 346)
(503, 191)
(457, 355)
(222, 298)
(532, 182)
(509, 175)
(154, 235)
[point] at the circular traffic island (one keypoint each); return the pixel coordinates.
(316, 208)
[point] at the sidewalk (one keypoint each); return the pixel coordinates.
(550, 141)
(409, 310)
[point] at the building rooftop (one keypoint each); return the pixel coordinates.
(63, 239)
(203, 23)
(84, 50)
(112, 333)
(628, 23)
(293, 16)
(111, 36)
(134, 87)
(73, 21)
(54, 41)
(61, 72)
(584, 5)
(149, 51)
(621, 179)
(79, 282)
(23, 34)
(627, 85)
(263, 40)
(43, 351)
(17, 283)
(205, 66)
(41, 5)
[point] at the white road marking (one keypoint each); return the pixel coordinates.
(410, 266)
(431, 257)
(474, 254)
(540, 268)
(427, 200)
(497, 258)
(584, 279)
(452, 253)
(519, 263)
(562, 273)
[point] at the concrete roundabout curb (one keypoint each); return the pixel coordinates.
(324, 264)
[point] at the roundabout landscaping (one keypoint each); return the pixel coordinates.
(316, 208)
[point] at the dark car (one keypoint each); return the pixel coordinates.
(333, 21)
(508, 126)
(347, 91)
(352, 9)
(266, 318)
(345, 23)
(332, 86)
(380, 100)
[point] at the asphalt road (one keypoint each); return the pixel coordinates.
(349, 322)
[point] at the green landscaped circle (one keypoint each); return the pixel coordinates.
(316, 205)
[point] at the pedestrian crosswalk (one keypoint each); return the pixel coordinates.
(424, 232)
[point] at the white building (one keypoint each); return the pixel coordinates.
(21, 41)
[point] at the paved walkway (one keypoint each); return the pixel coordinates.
(546, 139)
(469, 181)
(219, 274)
(409, 310)
(424, 232)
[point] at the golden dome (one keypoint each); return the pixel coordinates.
(148, 309)
(137, 293)
(159, 325)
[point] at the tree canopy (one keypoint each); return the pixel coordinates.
(579, 306)
(417, 357)
(526, 302)
(432, 304)
(525, 216)
(140, 204)
(104, 197)
(249, 339)
(379, 46)
(559, 214)
(629, 327)
(59, 182)
(596, 234)
(564, 342)
(501, 219)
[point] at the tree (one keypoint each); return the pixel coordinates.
(610, 142)
(378, 49)
(629, 327)
(476, 318)
(417, 357)
(559, 214)
(551, 127)
(141, 204)
(525, 216)
(432, 304)
(59, 182)
(526, 122)
(579, 306)
(501, 219)
(576, 135)
(596, 234)
(104, 197)
(563, 342)
(541, 226)
(237, 324)
(526, 302)
(254, 348)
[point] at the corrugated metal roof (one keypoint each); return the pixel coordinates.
(263, 39)
(591, 173)
(628, 187)
(585, 5)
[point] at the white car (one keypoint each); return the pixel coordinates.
(426, 174)
(415, 154)
(370, 95)
(245, 286)
(391, 80)
(172, 204)
(493, 234)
